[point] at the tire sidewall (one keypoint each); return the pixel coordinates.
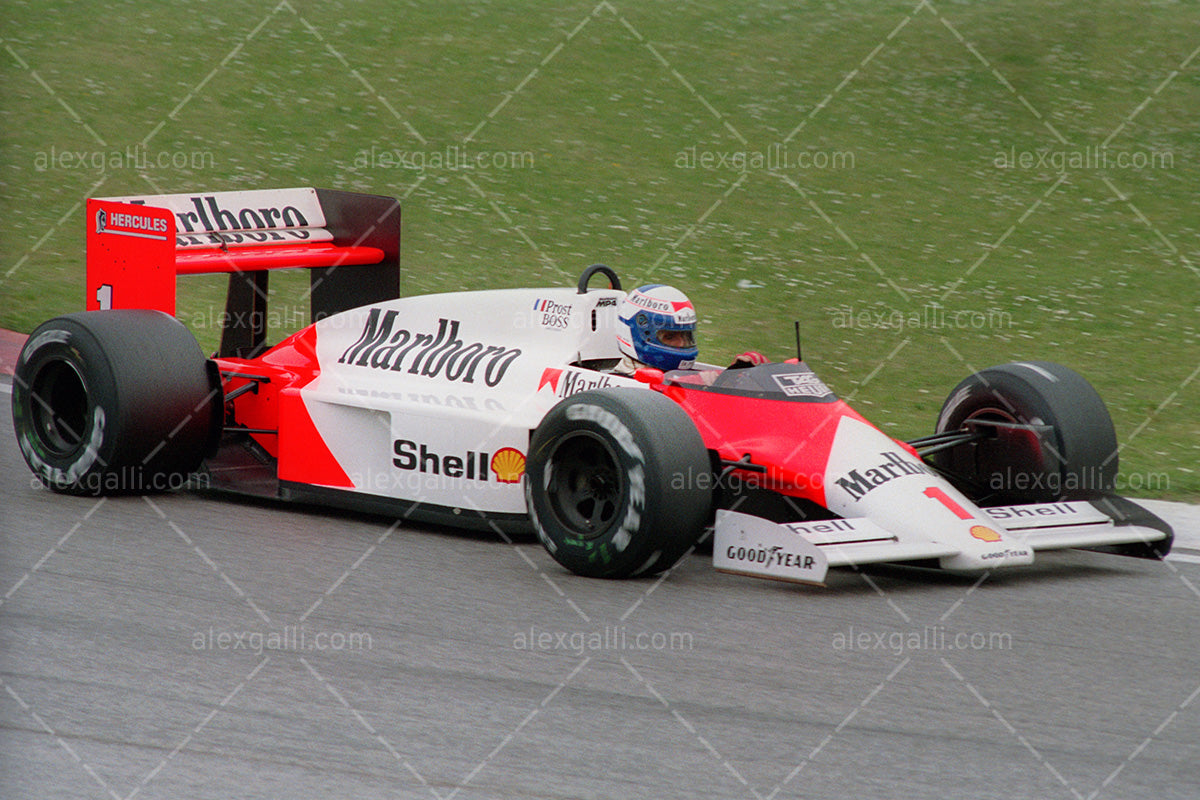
(152, 403)
(657, 520)
(80, 468)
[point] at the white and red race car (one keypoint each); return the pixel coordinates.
(495, 408)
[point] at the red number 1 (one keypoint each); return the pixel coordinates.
(936, 493)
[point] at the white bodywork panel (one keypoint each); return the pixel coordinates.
(431, 399)
(749, 545)
(1054, 526)
(923, 513)
(895, 509)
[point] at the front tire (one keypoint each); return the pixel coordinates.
(114, 402)
(618, 483)
(1073, 455)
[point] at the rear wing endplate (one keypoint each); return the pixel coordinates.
(137, 246)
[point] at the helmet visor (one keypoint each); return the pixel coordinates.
(682, 340)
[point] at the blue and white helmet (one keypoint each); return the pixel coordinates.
(658, 327)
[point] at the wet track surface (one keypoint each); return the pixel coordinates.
(184, 646)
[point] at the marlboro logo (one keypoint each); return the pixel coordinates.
(567, 382)
(437, 354)
(858, 483)
(208, 214)
(213, 220)
(265, 216)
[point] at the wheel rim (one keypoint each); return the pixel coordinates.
(58, 407)
(586, 486)
(992, 415)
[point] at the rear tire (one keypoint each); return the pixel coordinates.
(1076, 459)
(618, 483)
(114, 402)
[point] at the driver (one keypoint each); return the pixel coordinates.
(657, 328)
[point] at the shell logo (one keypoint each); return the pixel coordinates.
(984, 534)
(509, 465)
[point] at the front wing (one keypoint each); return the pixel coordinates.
(802, 552)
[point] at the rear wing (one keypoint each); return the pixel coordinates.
(137, 246)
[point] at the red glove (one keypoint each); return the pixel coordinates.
(750, 358)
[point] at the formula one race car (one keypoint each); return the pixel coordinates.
(496, 408)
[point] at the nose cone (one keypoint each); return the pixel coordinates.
(870, 475)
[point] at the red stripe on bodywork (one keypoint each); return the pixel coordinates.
(550, 376)
(245, 259)
(304, 457)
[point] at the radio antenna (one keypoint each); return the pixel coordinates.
(799, 352)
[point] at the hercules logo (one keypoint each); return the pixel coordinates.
(141, 226)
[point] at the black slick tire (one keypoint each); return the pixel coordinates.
(1076, 458)
(114, 402)
(618, 483)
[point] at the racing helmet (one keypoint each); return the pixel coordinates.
(657, 326)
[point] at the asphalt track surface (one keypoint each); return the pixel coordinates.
(183, 646)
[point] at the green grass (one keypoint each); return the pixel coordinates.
(1093, 267)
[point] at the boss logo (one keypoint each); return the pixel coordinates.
(552, 315)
